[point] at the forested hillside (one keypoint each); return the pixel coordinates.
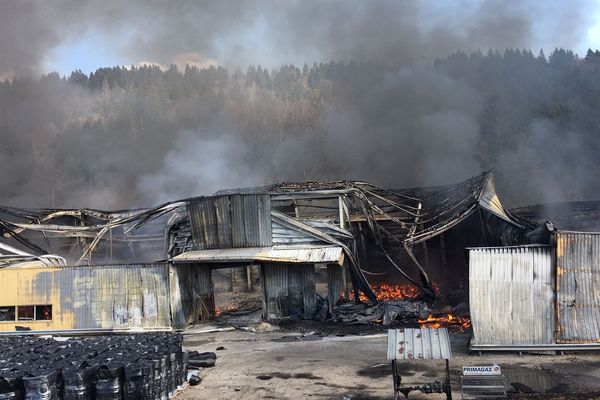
(138, 136)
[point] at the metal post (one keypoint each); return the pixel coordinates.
(425, 251)
(397, 380)
(345, 283)
(448, 388)
(249, 277)
(341, 212)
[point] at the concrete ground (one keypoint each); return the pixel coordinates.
(300, 362)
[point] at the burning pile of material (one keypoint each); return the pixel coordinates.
(405, 291)
(385, 292)
(400, 303)
(446, 321)
(226, 309)
(384, 312)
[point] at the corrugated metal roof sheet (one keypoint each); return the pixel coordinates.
(286, 254)
(302, 254)
(419, 344)
(578, 286)
(489, 200)
(511, 295)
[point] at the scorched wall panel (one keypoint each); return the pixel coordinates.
(98, 297)
(578, 286)
(228, 221)
(511, 292)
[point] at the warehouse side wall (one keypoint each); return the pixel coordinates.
(81, 297)
(512, 295)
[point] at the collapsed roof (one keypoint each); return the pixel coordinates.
(77, 233)
(324, 213)
(10, 256)
(571, 216)
(301, 215)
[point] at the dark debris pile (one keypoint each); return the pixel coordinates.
(143, 366)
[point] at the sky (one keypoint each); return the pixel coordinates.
(63, 35)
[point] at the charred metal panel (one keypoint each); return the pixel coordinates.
(418, 344)
(265, 236)
(578, 286)
(511, 291)
(302, 254)
(223, 215)
(251, 220)
(243, 254)
(309, 291)
(238, 227)
(284, 235)
(295, 297)
(282, 254)
(209, 218)
(176, 297)
(120, 296)
(231, 221)
(191, 294)
(180, 238)
(276, 290)
(334, 285)
(103, 296)
(488, 199)
(289, 290)
(195, 211)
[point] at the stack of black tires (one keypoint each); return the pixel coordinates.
(144, 366)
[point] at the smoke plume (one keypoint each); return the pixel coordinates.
(382, 111)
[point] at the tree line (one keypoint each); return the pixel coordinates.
(135, 136)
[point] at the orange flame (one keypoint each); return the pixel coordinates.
(219, 311)
(447, 320)
(405, 291)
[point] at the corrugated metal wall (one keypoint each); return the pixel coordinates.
(191, 293)
(103, 296)
(335, 283)
(578, 286)
(241, 220)
(511, 293)
(289, 290)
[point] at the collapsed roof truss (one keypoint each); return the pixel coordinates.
(324, 211)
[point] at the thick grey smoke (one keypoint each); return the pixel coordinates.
(198, 159)
(272, 32)
(395, 119)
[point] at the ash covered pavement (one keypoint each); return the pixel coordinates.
(334, 361)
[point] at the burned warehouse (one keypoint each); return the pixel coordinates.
(345, 251)
(319, 199)
(420, 260)
(307, 248)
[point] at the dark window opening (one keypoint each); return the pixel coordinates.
(25, 313)
(43, 312)
(7, 313)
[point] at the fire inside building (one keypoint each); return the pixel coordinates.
(345, 251)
